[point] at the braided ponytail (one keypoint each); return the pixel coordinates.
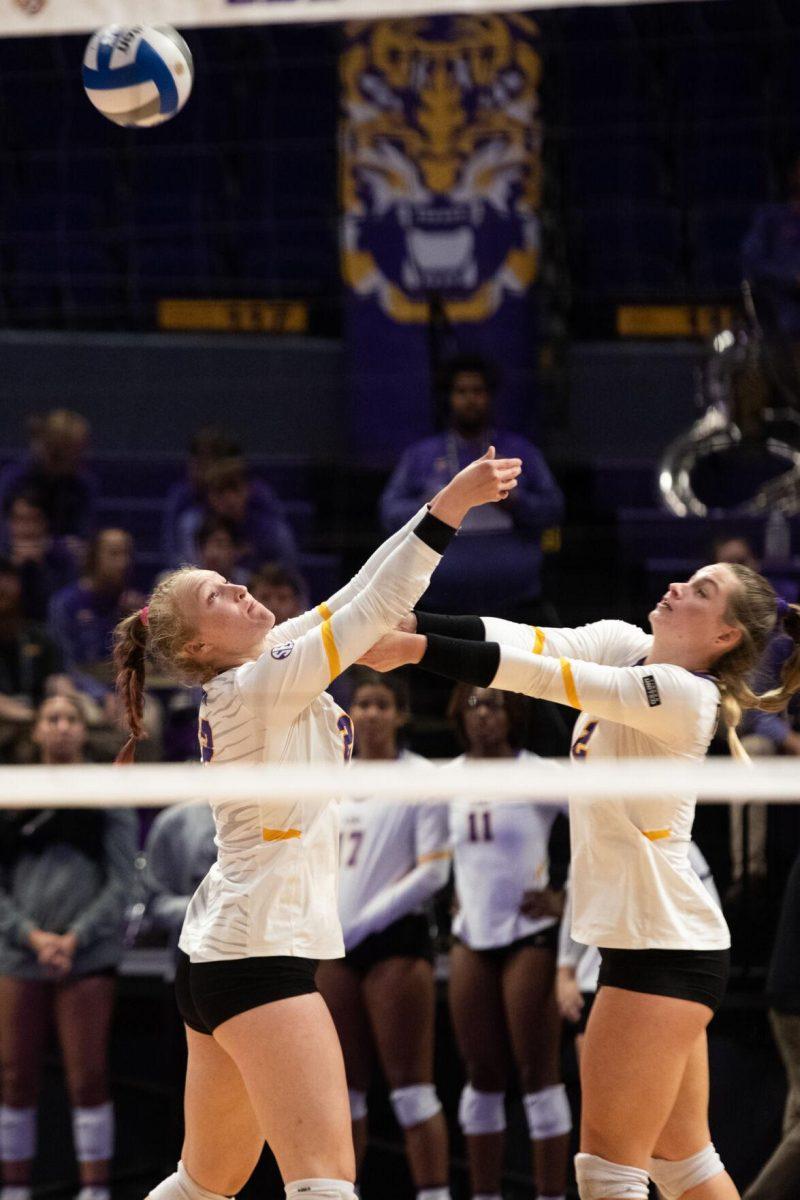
(130, 652)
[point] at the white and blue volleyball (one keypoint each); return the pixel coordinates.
(138, 74)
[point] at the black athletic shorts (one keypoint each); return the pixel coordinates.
(410, 937)
(545, 939)
(209, 993)
(699, 975)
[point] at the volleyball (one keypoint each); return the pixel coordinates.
(138, 75)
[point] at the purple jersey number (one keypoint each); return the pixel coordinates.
(345, 727)
(480, 830)
(581, 747)
(356, 837)
(206, 742)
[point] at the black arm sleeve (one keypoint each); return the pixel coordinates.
(459, 659)
(470, 628)
(435, 533)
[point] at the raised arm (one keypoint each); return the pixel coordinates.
(288, 676)
(597, 642)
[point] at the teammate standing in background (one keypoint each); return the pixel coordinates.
(264, 1061)
(67, 875)
(394, 859)
(502, 964)
(665, 944)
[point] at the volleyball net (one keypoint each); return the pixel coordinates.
(544, 781)
(20, 18)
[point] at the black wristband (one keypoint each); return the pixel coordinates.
(435, 533)
(470, 628)
(464, 661)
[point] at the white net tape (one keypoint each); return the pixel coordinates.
(18, 18)
(506, 781)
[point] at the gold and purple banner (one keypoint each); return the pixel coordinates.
(441, 167)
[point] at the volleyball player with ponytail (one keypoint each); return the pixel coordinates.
(264, 1062)
(664, 943)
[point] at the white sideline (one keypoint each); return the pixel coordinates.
(776, 780)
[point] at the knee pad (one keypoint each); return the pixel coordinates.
(548, 1112)
(415, 1104)
(320, 1189)
(602, 1180)
(358, 1104)
(481, 1112)
(17, 1133)
(181, 1186)
(674, 1178)
(93, 1133)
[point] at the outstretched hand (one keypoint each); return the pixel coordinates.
(394, 650)
(487, 480)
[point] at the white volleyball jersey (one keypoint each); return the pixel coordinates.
(499, 853)
(393, 858)
(585, 960)
(633, 885)
(273, 888)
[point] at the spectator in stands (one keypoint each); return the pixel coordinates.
(45, 563)
(780, 1177)
(27, 657)
(83, 615)
(255, 513)
(281, 589)
(179, 852)
(66, 877)
(218, 549)
(54, 468)
(382, 994)
(495, 564)
(503, 959)
(208, 445)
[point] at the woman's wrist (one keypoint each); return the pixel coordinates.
(448, 508)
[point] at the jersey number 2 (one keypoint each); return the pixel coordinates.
(345, 727)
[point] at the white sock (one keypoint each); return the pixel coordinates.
(15, 1191)
(94, 1191)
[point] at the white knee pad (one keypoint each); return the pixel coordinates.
(320, 1189)
(481, 1112)
(358, 1104)
(602, 1180)
(674, 1178)
(548, 1112)
(415, 1104)
(93, 1133)
(17, 1133)
(181, 1186)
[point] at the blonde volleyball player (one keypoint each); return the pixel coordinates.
(502, 963)
(382, 993)
(664, 943)
(579, 966)
(264, 1062)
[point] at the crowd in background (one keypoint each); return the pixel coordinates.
(67, 880)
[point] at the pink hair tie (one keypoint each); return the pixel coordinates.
(144, 614)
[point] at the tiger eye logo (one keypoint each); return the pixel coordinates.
(441, 163)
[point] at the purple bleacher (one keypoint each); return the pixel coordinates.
(640, 531)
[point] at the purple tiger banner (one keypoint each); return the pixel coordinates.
(440, 168)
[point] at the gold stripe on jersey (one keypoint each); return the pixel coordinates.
(538, 644)
(434, 854)
(656, 835)
(569, 683)
(329, 642)
(279, 835)
(324, 611)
